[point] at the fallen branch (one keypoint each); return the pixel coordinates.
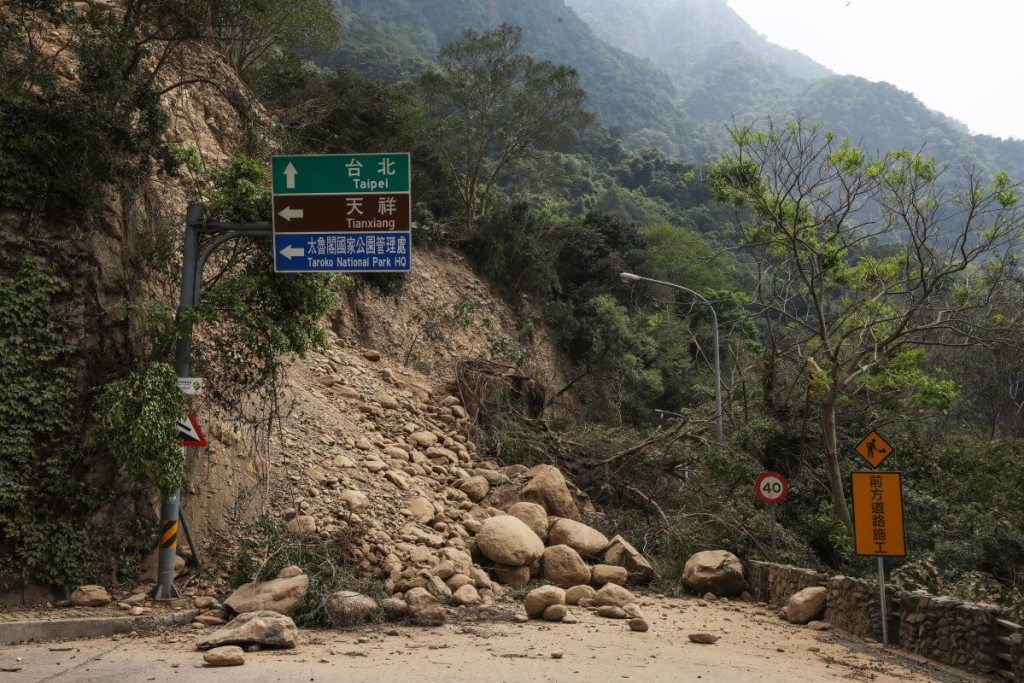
(649, 502)
(656, 438)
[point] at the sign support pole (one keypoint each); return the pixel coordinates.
(192, 264)
(772, 510)
(881, 591)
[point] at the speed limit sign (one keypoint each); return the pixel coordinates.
(771, 488)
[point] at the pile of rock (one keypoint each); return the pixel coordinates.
(373, 458)
(611, 601)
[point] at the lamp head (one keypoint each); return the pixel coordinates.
(629, 278)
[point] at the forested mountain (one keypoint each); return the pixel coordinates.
(668, 73)
(396, 38)
(725, 70)
(677, 35)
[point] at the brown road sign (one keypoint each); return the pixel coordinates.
(878, 514)
(308, 213)
(874, 449)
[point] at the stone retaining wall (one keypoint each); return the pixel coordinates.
(944, 629)
(774, 583)
(853, 606)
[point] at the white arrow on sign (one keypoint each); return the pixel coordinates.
(288, 213)
(289, 174)
(289, 252)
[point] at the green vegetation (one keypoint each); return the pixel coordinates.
(264, 318)
(251, 32)
(493, 108)
(833, 280)
(268, 546)
(880, 291)
(39, 473)
(398, 40)
(91, 402)
(61, 143)
(136, 423)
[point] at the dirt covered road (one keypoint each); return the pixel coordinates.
(754, 645)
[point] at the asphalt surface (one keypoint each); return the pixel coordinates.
(754, 645)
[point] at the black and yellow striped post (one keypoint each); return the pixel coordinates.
(169, 534)
(165, 588)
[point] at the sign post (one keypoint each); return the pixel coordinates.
(193, 261)
(348, 213)
(771, 488)
(878, 524)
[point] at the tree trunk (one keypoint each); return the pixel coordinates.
(835, 478)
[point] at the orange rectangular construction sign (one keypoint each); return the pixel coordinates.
(878, 514)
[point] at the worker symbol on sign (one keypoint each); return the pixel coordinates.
(874, 449)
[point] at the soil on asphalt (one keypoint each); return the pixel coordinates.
(754, 645)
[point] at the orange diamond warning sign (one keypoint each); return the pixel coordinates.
(874, 449)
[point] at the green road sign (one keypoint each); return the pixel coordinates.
(341, 174)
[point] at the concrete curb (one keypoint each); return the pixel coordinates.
(89, 627)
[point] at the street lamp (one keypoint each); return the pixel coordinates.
(631, 278)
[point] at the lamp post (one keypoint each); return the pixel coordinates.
(630, 278)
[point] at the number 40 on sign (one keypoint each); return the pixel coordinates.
(771, 488)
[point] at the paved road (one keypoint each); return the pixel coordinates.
(754, 646)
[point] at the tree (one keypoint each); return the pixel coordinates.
(862, 263)
(248, 31)
(491, 107)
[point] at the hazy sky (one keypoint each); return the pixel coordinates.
(961, 58)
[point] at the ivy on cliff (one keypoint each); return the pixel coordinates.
(41, 473)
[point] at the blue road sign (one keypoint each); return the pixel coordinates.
(363, 252)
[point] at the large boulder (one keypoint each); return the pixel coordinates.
(585, 540)
(348, 608)
(577, 593)
(539, 599)
(533, 516)
(505, 539)
(419, 598)
(476, 488)
(714, 571)
(228, 655)
(152, 566)
(806, 605)
(503, 497)
(513, 577)
(283, 595)
(609, 573)
(622, 554)
(90, 596)
(548, 487)
(421, 509)
(564, 567)
(466, 595)
(615, 595)
(265, 628)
